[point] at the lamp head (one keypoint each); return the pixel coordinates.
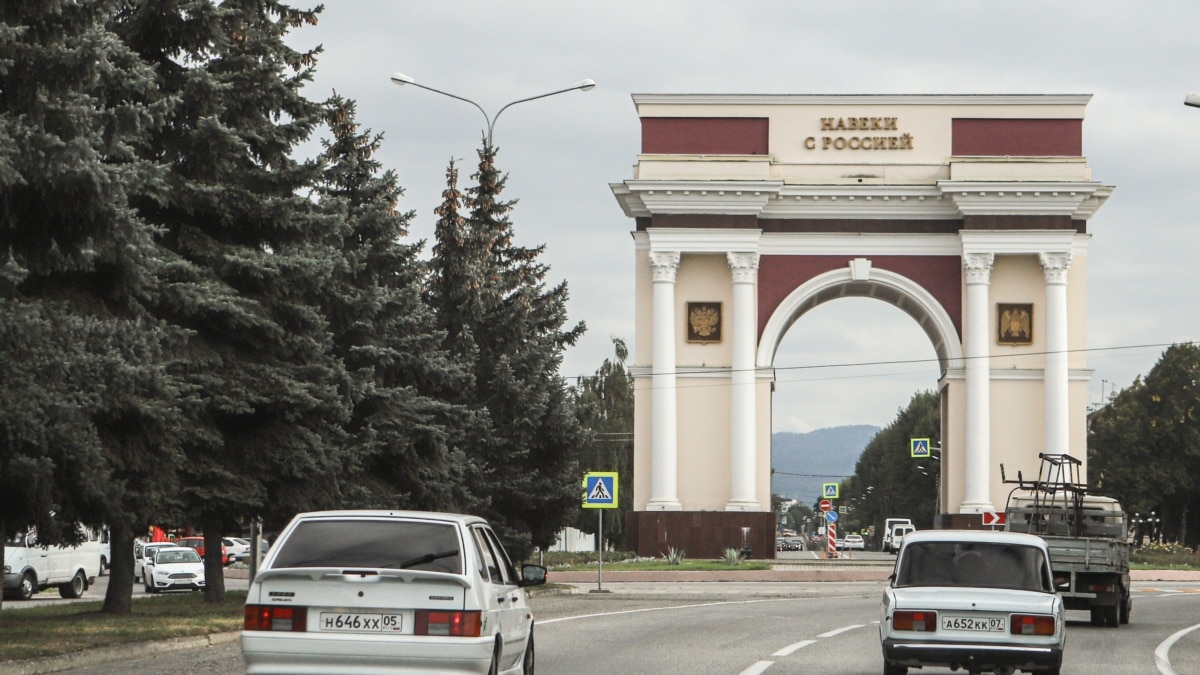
(1192, 99)
(401, 79)
(584, 85)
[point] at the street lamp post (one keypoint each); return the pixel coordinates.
(401, 79)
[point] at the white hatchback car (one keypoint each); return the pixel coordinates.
(173, 568)
(977, 600)
(143, 552)
(389, 592)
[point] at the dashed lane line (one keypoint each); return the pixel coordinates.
(761, 666)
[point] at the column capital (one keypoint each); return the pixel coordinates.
(744, 266)
(664, 264)
(977, 267)
(1055, 266)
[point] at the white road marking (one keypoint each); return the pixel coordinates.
(660, 609)
(1161, 652)
(836, 631)
(788, 650)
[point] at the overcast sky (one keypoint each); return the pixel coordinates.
(1137, 59)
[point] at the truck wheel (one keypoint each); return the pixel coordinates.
(75, 588)
(27, 587)
(1097, 616)
(892, 669)
(1112, 616)
(1126, 608)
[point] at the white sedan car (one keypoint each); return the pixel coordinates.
(854, 542)
(975, 600)
(143, 552)
(389, 592)
(238, 549)
(173, 568)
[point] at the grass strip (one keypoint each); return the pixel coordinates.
(664, 566)
(38, 632)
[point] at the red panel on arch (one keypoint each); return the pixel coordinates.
(1017, 138)
(705, 135)
(779, 275)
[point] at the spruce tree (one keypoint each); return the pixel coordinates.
(510, 325)
(604, 404)
(270, 398)
(88, 422)
(403, 430)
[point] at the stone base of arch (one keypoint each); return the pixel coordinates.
(701, 534)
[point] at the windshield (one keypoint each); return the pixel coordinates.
(370, 544)
(172, 556)
(974, 565)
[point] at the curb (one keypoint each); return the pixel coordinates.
(99, 655)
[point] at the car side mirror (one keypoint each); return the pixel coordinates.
(533, 575)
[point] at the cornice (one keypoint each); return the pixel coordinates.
(872, 202)
(641, 198)
(863, 99)
(1055, 198)
(946, 200)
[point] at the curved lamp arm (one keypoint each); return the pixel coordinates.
(401, 79)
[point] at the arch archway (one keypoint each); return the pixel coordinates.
(859, 280)
(962, 211)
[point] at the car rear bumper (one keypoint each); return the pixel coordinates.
(972, 655)
(316, 653)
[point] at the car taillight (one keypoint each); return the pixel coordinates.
(1100, 588)
(918, 621)
(457, 624)
(276, 617)
(1031, 624)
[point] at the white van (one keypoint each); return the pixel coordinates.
(888, 524)
(898, 532)
(29, 568)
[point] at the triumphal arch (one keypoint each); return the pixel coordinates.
(967, 212)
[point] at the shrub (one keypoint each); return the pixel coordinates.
(732, 557)
(674, 556)
(1165, 555)
(572, 558)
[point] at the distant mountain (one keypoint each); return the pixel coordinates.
(802, 462)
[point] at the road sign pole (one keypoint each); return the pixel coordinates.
(600, 550)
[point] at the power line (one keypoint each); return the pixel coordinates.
(861, 364)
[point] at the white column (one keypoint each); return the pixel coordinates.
(977, 270)
(663, 437)
(1058, 429)
(743, 447)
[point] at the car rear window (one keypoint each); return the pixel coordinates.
(390, 544)
(974, 565)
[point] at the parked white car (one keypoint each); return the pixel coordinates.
(975, 600)
(143, 551)
(389, 591)
(238, 549)
(173, 568)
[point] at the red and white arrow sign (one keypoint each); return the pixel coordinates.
(993, 518)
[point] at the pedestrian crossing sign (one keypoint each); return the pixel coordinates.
(600, 490)
(829, 490)
(918, 447)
